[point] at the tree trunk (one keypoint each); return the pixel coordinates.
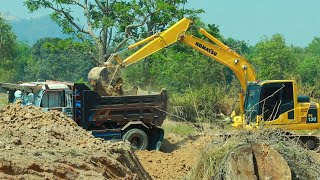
(101, 58)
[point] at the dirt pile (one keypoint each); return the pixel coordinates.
(179, 155)
(38, 145)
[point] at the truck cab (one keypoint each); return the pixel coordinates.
(47, 95)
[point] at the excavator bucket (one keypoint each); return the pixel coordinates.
(105, 81)
(99, 79)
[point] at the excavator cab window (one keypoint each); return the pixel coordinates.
(275, 99)
(269, 101)
(252, 102)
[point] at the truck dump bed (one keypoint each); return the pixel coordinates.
(96, 110)
(149, 109)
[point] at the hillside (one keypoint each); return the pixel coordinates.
(30, 30)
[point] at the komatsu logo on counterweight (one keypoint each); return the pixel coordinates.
(209, 50)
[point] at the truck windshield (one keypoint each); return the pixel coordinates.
(252, 102)
(52, 99)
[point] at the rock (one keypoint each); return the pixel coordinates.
(30, 126)
(16, 141)
(28, 115)
(6, 118)
(2, 145)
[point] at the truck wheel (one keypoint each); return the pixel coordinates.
(137, 138)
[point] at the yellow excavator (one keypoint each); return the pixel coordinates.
(267, 103)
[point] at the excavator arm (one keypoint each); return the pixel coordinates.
(223, 54)
(178, 32)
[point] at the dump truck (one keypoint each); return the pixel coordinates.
(130, 117)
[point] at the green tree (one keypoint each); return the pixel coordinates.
(8, 45)
(110, 24)
(314, 46)
(57, 59)
(23, 57)
(308, 69)
(308, 66)
(273, 59)
(241, 47)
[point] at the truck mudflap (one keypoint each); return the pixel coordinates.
(156, 138)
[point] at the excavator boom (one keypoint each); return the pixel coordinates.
(178, 32)
(224, 55)
(159, 41)
(218, 51)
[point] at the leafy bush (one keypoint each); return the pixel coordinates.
(203, 104)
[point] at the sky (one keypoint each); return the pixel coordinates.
(248, 20)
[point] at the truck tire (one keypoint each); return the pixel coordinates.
(137, 138)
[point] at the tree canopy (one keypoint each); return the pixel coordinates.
(273, 59)
(110, 24)
(8, 45)
(52, 59)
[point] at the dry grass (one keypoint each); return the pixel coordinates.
(3, 99)
(301, 161)
(180, 128)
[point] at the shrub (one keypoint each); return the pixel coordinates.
(202, 104)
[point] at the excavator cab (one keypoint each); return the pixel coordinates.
(267, 100)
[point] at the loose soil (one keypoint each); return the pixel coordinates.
(39, 145)
(171, 165)
(177, 157)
